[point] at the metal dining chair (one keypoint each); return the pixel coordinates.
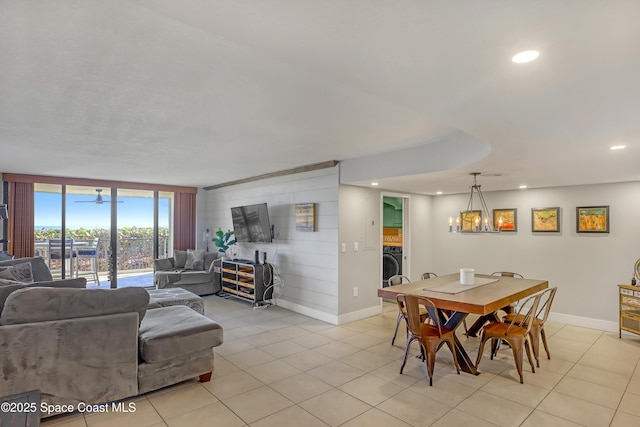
(430, 336)
(473, 330)
(516, 333)
(507, 274)
(537, 328)
(398, 279)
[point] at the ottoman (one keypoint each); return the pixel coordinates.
(175, 296)
(175, 344)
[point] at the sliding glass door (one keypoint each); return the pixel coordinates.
(113, 234)
(48, 225)
(135, 237)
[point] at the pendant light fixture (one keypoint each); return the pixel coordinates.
(474, 220)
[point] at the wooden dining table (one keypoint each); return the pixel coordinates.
(447, 293)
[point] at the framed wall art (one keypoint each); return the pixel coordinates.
(505, 219)
(306, 217)
(592, 219)
(469, 220)
(545, 220)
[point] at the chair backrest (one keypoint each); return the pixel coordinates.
(526, 312)
(91, 250)
(412, 305)
(507, 274)
(55, 245)
(546, 299)
(428, 275)
(398, 279)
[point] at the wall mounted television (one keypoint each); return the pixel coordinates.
(251, 223)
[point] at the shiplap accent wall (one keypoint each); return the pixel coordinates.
(307, 262)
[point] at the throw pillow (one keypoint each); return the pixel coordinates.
(18, 273)
(195, 259)
(179, 259)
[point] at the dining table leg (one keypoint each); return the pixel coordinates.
(465, 362)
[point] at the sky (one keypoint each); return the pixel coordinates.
(133, 212)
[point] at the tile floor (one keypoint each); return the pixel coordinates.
(279, 368)
(143, 280)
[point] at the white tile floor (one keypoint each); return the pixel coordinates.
(279, 368)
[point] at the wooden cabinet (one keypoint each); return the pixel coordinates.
(252, 282)
(629, 309)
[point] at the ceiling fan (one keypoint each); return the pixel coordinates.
(98, 200)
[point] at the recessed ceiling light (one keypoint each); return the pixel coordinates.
(526, 56)
(438, 192)
(522, 187)
(374, 183)
(617, 147)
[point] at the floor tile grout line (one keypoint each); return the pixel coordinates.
(566, 374)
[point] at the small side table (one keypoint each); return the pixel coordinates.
(29, 417)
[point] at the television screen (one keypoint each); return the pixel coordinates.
(251, 223)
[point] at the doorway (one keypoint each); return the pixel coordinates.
(394, 256)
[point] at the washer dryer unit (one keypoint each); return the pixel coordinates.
(391, 263)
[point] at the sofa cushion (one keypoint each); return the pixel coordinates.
(5, 291)
(195, 259)
(175, 331)
(192, 277)
(17, 273)
(38, 304)
(39, 269)
(179, 259)
(163, 264)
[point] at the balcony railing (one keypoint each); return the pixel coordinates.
(134, 254)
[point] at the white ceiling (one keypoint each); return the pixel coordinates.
(202, 92)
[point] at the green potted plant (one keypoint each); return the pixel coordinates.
(224, 240)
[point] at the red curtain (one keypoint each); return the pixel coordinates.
(184, 224)
(21, 219)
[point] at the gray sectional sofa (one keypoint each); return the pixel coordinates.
(99, 345)
(175, 272)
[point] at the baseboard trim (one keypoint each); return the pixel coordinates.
(585, 322)
(360, 314)
(569, 319)
(311, 312)
(330, 318)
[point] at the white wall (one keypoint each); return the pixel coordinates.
(306, 261)
(585, 268)
(360, 223)
(420, 236)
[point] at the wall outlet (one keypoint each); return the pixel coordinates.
(344, 247)
(355, 291)
(355, 246)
